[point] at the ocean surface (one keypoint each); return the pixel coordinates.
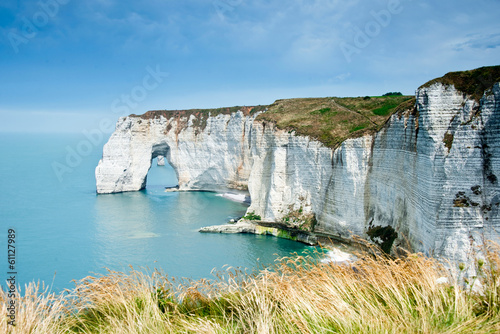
(64, 231)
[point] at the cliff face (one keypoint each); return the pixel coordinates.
(213, 157)
(430, 174)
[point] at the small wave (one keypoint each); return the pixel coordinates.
(337, 256)
(144, 235)
(242, 198)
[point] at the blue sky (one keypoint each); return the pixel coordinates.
(66, 64)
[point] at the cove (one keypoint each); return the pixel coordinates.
(66, 231)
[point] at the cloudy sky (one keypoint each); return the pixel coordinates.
(66, 64)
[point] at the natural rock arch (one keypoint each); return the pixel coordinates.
(162, 151)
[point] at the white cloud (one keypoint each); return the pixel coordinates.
(478, 41)
(343, 76)
(264, 48)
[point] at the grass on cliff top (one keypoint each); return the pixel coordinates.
(376, 294)
(332, 120)
(201, 115)
(329, 120)
(247, 110)
(473, 82)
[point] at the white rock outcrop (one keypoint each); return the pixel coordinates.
(160, 160)
(211, 158)
(430, 174)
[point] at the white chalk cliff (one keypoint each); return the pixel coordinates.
(430, 174)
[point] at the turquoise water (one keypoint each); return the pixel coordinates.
(64, 231)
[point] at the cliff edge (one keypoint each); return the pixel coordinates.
(419, 173)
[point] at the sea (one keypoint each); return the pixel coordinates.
(63, 231)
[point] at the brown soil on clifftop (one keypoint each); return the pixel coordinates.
(473, 82)
(332, 120)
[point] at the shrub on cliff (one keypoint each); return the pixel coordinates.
(251, 216)
(300, 220)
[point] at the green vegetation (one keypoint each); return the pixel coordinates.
(473, 82)
(358, 127)
(333, 120)
(386, 108)
(297, 219)
(376, 294)
(329, 120)
(251, 216)
(322, 111)
(393, 94)
(277, 232)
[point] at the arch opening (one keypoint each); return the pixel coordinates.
(161, 173)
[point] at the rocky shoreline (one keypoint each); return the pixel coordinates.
(278, 230)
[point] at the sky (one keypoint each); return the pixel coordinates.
(67, 65)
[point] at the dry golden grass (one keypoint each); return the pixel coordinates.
(376, 294)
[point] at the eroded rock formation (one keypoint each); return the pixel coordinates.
(428, 178)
